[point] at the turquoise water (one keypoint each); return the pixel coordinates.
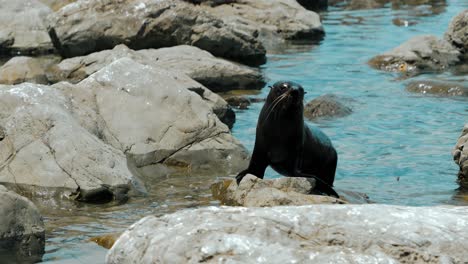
(392, 134)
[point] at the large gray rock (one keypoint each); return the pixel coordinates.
(460, 156)
(155, 117)
(442, 88)
(328, 105)
(44, 146)
(256, 192)
(22, 234)
(218, 75)
(457, 32)
(25, 69)
(272, 20)
(88, 26)
(302, 234)
(420, 53)
(23, 28)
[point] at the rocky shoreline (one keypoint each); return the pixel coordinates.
(129, 89)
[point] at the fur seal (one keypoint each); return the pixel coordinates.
(284, 142)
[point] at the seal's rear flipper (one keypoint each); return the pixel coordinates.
(320, 185)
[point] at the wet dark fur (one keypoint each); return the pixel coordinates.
(284, 142)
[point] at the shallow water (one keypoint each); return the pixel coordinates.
(391, 134)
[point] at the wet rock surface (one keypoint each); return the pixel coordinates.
(460, 156)
(256, 192)
(327, 106)
(419, 54)
(438, 88)
(314, 233)
(84, 27)
(22, 233)
(24, 29)
(216, 74)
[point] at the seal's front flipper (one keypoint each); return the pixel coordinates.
(320, 185)
(240, 176)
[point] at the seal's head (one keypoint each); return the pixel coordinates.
(287, 94)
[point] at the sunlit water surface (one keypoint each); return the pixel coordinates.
(395, 146)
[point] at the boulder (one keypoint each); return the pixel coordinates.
(44, 146)
(274, 21)
(22, 233)
(460, 156)
(155, 117)
(211, 2)
(256, 192)
(328, 105)
(57, 4)
(420, 53)
(298, 234)
(457, 33)
(438, 88)
(25, 69)
(86, 26)
(23, 28)
(239, 102)
(216, 74)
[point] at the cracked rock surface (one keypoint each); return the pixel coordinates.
(148, 24)
(216, 74)
(22, 234)
(81, 138)
(298, 234)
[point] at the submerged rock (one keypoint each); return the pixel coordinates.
(86, 26)
(438, 88)
(22, 233)
(217, 74)
(23, 28)
(460, 156)
(328, 105)
(419, 54)
(25, 69)
(298, 234)
(256, 192)
(457, 33)
(273, 21)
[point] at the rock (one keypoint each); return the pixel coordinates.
(211, 2)
(314, 5)
(24, 69)
(57, 4)
(216, 74)
(23, 27)
(460, 156)
(22, 233)
(155, 117)
(298, 234)
(438, 88)
(328, 105)
(239, 102)
(256, 192)
(106, 241)
(88, 26)
(457, 33)
(274, 21)
(421, 53)
(44, 146)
